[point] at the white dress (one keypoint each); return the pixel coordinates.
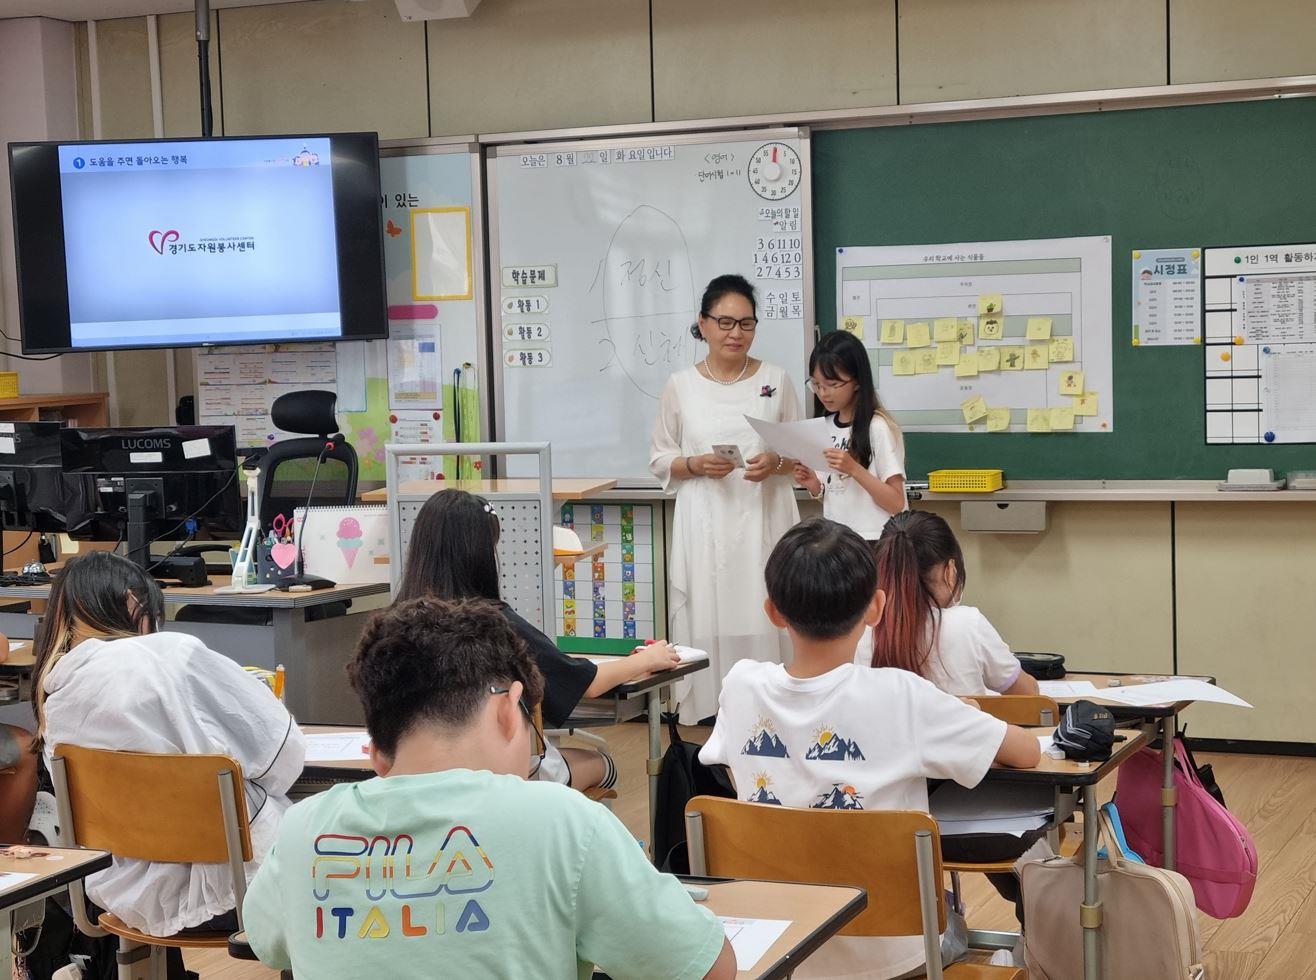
(724, 529)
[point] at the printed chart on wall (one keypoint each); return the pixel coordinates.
(607, 604)
(599, 259)
(430, 242)
(1261, 344)
(985, 336)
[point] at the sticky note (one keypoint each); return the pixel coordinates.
(967, 366)
(1062, 419)
(854, 325)
(965, 331)
(905, 363)
(927, 360)
(1062, 349)
(1012, 358)
(945, 328)
(998, 420)
(974, 408)
(989, 359)
(893, 331)
(948, 353)
(991, 328)
(1086, 403)
(1071, 382)
(917, 335)
(991, 303)
(1037, 357)
(1039, 420)
(1039, 328)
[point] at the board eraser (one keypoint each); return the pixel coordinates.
(1250, 476)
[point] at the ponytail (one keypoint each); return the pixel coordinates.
(913, 543)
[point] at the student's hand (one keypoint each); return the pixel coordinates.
(842, 462)
(807, 478)
(711, 465)
(658, 656)
(758, 468)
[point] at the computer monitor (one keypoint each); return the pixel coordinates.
(143, 485)
(32, 495)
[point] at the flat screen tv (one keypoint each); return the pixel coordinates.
(194, 242)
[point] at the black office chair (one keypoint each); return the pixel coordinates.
(320, 468)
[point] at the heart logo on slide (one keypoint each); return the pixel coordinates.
(159, 239)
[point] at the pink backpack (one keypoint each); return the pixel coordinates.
(1213, 850)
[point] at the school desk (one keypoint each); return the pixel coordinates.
(1160, 719)
(54, 868)
(313, 653)
(575, 489)
(1070, 779)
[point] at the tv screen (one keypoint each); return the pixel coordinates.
(184, 243)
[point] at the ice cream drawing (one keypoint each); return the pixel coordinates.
(349, 539)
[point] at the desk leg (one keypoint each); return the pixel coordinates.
(654, 700)
(1090, 910)
(1169, 795)
(7, 939)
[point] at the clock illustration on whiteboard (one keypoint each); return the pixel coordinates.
(774, 171)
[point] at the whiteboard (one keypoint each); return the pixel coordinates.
(599, 253)
(990, 297)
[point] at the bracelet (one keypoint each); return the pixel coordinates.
(822, 489)
(780, 460)
(688, 467)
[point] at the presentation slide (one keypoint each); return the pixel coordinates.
(199, 242)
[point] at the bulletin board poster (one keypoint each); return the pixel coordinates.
(431, 242)
(608, 605)
(1167, 297)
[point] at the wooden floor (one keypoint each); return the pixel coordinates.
(1274, 796)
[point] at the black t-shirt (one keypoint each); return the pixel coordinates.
(565, 678)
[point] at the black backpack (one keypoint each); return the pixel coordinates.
(682, 778)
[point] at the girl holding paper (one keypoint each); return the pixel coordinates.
(865, 484)
(727, 522)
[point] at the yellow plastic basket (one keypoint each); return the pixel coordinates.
(965, 481)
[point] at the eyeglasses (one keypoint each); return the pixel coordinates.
(539, 747)
(826, 387)
(730, 322)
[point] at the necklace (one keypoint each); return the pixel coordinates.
(713, 377)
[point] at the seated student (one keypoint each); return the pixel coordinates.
(925, 629)
(827, 733)
(454, 555)
(106, 678)
(454, 864)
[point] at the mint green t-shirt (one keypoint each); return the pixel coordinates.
(469, 874)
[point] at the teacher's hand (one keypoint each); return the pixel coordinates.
(807, 478)
(759, 468)
(710, 465)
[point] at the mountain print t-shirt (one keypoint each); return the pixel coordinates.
(855, 738)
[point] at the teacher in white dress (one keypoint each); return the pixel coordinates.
(728, 519)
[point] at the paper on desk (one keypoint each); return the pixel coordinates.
(1067, 689)
(687, 654)
(805, 441)
(16, 644)
(751, 938)
(1014, 826)
(1049, 747)
(1168, 692)
(11, 879)
(337, 746)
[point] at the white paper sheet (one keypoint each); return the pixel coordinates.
(16, 644)
(1067, 689)
(751, 938)
(337, 746)
(1167, 692)
(9, 879)
(805, 441)
(688, 655)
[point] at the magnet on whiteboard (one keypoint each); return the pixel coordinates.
(1225, 355)
(1238, 340)
(1270, 437)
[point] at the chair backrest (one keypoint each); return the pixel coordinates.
(287, 471)
(869, 849)
(167, 808)
(1022, 709)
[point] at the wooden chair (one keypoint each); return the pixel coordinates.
(595, 793)
(1029, 710)
(894, 854)
(171, 809)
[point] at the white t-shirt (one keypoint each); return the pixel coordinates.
(968, 658)
(852, 738)
(844, 500)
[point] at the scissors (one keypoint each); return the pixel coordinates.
(282, 528)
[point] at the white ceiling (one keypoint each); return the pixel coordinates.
(109, 9)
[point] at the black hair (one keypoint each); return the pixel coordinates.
(432, 661)
(821, 577)
(99, 594)
(453, 552)
(841, 356)
(724, 285)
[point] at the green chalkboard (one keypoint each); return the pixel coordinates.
(1233, 174)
